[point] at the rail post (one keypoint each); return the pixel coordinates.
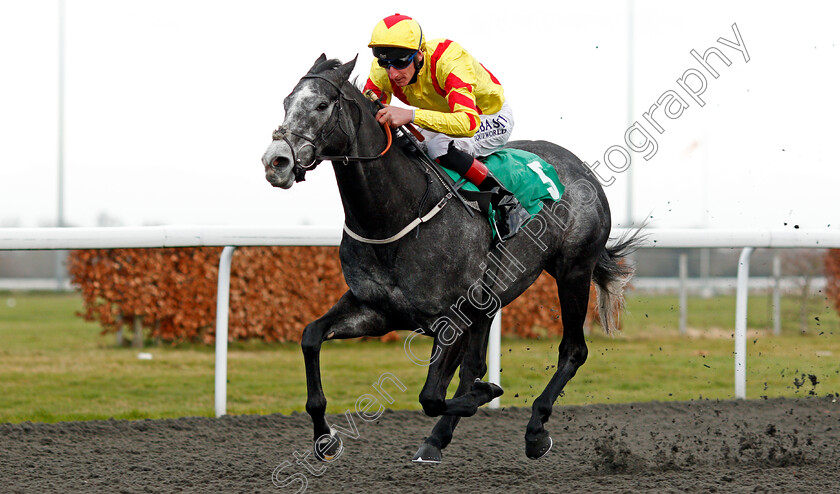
(741, 299)
(222, 299)
(494, 355)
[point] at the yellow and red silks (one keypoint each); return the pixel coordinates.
(451, 91)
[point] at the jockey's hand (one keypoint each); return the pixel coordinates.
(394, 116)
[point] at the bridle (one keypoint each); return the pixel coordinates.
(299, 168)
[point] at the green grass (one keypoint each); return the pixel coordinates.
(55, 367)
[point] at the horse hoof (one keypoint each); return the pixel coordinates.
(539, 448)
(427, 454)
(493, 390)
(497, 390)
(328, 447)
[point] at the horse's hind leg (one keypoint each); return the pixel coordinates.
(346, 319)
(573, 291)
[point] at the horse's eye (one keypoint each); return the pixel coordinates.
(322, 107)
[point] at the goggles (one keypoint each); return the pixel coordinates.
(397, 63)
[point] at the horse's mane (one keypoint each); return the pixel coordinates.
(370, 105)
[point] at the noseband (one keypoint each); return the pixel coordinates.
(300, 169)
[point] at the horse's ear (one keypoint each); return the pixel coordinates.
(321, 59)
(347, 69)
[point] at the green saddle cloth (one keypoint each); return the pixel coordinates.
(525, 174)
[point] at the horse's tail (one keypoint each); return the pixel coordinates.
(611, 275)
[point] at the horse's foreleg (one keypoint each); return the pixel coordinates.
(574, 297)
(473, 366)
(433, 396)
(346, 319)
(446, 357)
(430, 450)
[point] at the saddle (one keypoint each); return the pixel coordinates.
(526, 175)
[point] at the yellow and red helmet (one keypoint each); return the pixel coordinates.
(397, 31)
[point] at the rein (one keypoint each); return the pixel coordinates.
(347, 159)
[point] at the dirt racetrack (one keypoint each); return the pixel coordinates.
(777, 445)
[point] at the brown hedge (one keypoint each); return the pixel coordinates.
(832, 277)
(274, 293)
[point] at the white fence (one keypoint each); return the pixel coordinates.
(232, 237)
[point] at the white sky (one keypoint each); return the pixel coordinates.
(170, 104)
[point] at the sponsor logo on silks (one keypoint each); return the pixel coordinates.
(491, 127)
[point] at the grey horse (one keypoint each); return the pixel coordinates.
(443, 277)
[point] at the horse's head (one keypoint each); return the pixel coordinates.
(317, 123)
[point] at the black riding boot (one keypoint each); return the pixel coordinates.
(511, 215)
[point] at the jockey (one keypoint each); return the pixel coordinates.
(458, 104)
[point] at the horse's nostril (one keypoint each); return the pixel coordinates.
(280, 162)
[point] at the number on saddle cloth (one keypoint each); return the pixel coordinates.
(526, 175)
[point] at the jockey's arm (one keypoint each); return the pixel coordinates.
(460, 121)
(455, 79)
